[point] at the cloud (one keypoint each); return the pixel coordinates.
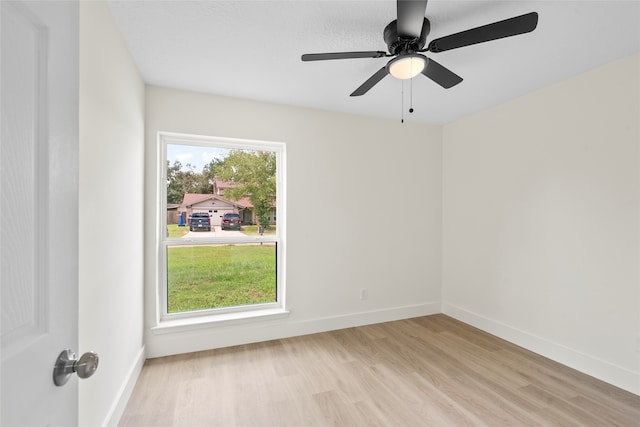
(184, 158)
(196, 156)
(210, 155)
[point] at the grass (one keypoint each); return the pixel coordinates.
(216, 276)
(175, 231)
(249, 230)
(252, 230)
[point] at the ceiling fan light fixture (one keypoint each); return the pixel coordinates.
(406, 67)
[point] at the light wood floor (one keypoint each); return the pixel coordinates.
(428, 371)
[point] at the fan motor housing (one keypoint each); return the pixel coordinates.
(399, 45)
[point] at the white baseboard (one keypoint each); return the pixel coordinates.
(351, 320)
(124, 393)
(199, 339)
(603, 370)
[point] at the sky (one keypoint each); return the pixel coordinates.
(195, 155)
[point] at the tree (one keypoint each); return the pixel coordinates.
(209, 172)
(254, 174)
(184, 179)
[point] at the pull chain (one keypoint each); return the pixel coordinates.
(402, 102)
(411, 97)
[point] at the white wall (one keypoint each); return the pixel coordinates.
(345, 173)
(541, 222)
(110, 216)
(539, 236)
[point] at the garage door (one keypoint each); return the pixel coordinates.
(216, 215)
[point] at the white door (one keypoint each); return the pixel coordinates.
(38, 209)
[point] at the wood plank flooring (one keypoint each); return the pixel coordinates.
(427, 371)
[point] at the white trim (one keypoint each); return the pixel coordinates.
(590, 365)
(169, 320)
(241, 315)
(186, 340)
(362, 318)
(204, 140)
(124, 393)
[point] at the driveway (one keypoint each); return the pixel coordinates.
(216, 232)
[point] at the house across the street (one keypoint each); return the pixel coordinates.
(216, 205)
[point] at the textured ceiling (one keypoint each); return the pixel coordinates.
(251, 49)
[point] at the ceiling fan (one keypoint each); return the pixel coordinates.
(407, 35)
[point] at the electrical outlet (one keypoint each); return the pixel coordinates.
(364, 294)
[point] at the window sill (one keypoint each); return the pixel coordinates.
(217, 320)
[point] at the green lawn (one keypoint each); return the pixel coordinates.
(249, 230)
(252, 230)
(175, 231)
(204, 277)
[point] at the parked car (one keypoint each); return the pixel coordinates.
(230, 221)
(200, 221)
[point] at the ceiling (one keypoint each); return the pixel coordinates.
(252, 49)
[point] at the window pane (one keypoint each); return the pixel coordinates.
(233, 186)
(221, 234)
(220, 275)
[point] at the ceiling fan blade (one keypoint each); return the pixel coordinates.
(342, 55)
(410, 18)
(507, 28)
(441, 75)
(371, 82)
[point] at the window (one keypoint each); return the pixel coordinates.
(221, 246)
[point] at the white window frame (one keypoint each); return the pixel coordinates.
(163, 242)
